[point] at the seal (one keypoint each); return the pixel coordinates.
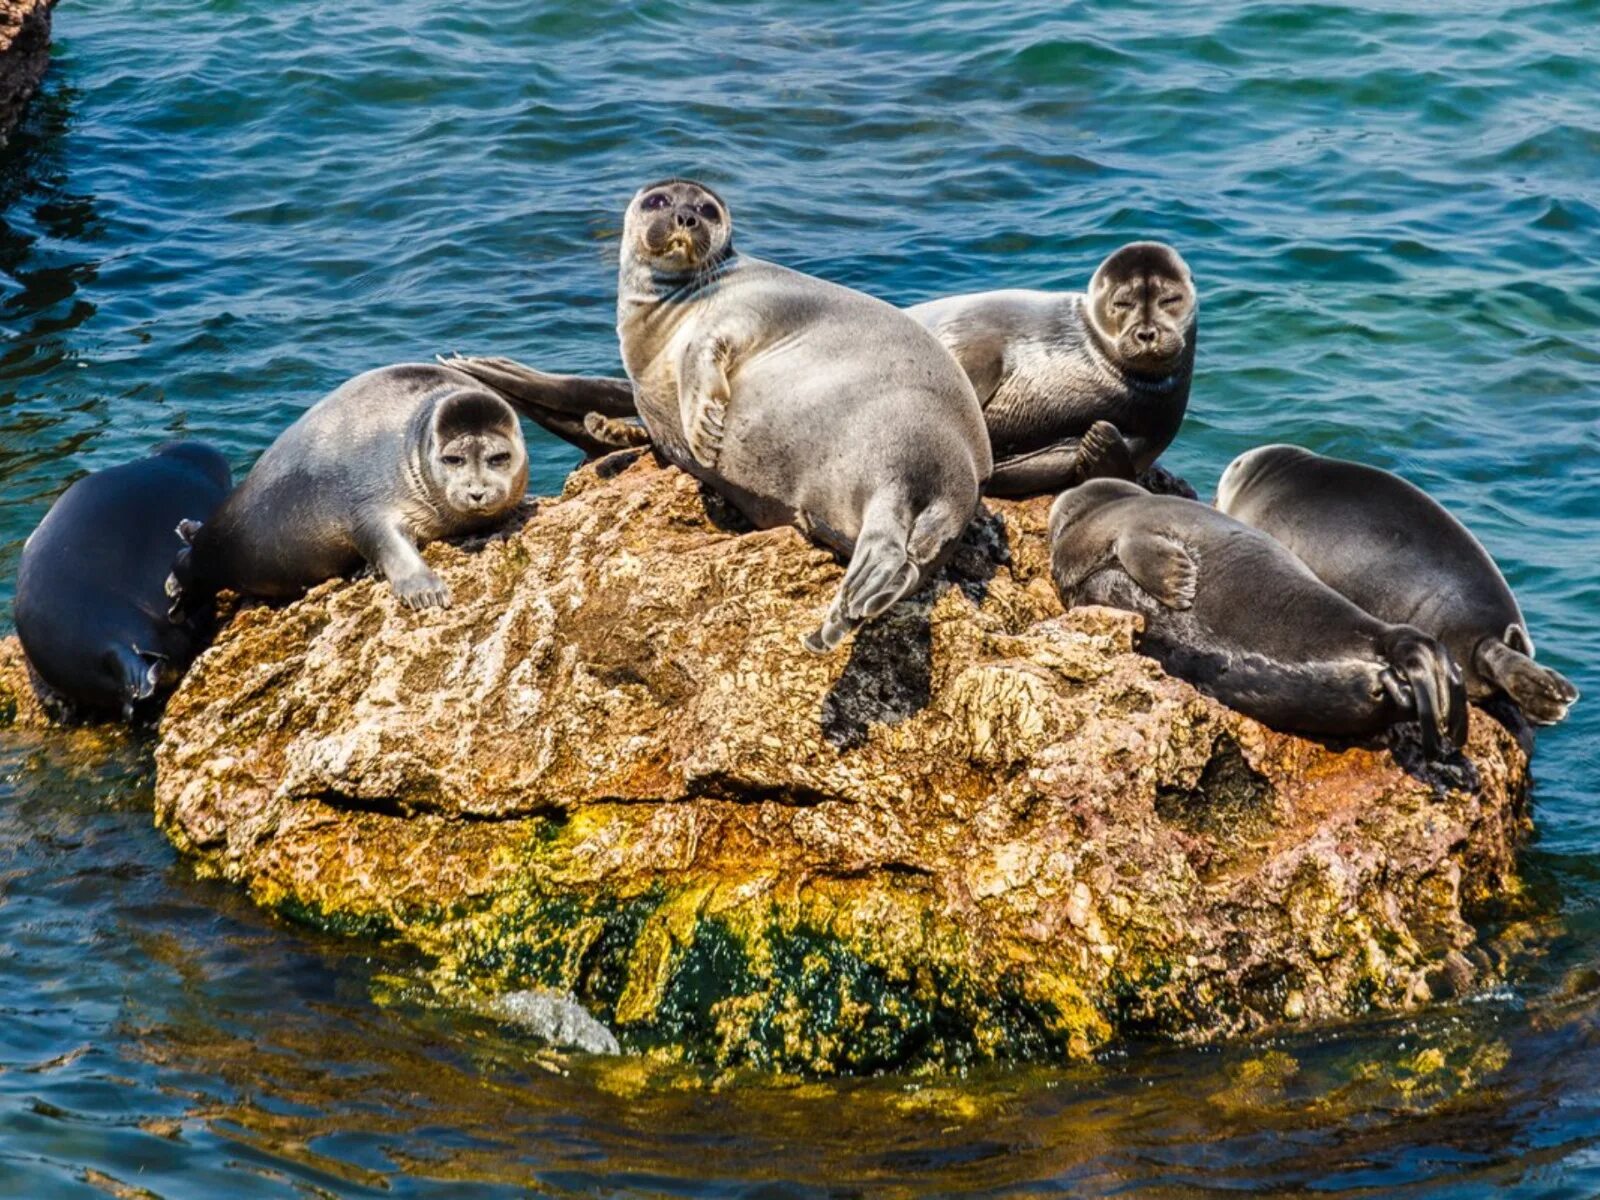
(799, 401)
(1230, 610)
(90, 609)
(1077, 385)
(393, 458)
(1392, 549)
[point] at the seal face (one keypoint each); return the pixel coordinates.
(1230, 610)
(396, 457)
(90, 606)
(1395, 551)
(1078, 385)
(799, 401)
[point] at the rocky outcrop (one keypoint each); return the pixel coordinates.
(984, 829)
(24, 54)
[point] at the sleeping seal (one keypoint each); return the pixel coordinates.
(1237, 615)
(1077, 385)
(396, 457)
(90, 609)
(1395, 551)
(800, 401)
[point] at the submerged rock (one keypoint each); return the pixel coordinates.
(554, 1017)
(983, 829)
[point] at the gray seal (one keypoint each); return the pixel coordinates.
(1395, 551)
(1230, 610)
(394, 458)
(1078, 385)
(90, 605)
(799, 401)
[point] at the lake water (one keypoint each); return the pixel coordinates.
(217, 211)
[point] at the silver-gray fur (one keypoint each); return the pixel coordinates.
(800, 401)
(1076, 385)
(1237, 615)
(392, 459)
(1395, 551)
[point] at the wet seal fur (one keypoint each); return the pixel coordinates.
(1078, 385)
(1392, 549)
(394, 458)
(1230, 610)
(91, 608)
(800, 401)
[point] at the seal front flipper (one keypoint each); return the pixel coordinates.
(1161, 565)
(391, 552)
(1425, 681)
(703, 396)
(1543, 695)
(1103, 454)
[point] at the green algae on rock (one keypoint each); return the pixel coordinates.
(984, 830)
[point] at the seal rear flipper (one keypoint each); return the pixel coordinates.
(1161, 565)
(140, 674)
(1543, 695)
(534, 393)
(1426, 681)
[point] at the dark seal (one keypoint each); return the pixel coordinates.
(1394, 550)
(1230, 610)
(91, 608)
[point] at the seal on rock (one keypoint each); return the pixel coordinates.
(1230, 610)
(1076, 385)
(1395, 551)
(800, 401)
(394, 458)
(90, 605)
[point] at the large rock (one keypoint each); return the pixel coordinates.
(24, 54)
(985, 828)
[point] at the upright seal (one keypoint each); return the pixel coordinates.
(1394, 550)
(1237, 615)
(800, 401)
(1076, 385)
(90, 609)
(396, 457)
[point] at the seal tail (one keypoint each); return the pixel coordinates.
(1433, 690)
(1542, 694)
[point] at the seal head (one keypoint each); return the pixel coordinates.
(678, 227)
(1142, 307)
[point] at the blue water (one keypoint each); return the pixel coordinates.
(217, 211)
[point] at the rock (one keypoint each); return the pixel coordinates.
(983, 829)
(22, 703)
(24, 54)
(554, 1017)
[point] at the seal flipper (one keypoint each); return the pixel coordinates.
(1433, 689)
(1543, 695)
(1104, 454)
(139, 674)
(1161, 565)
(615, 433)
(703, 396)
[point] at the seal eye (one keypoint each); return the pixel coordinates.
(1122, 305)
(709, 211)
(452, 460)
(656, 200)
(1172, 301)
(502, 459)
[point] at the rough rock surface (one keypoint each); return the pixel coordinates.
(984, 828)
(24, 54)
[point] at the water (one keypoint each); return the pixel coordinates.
(218, 211)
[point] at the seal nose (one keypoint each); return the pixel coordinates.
(477, 495)
(1145, 335)
(684, 219)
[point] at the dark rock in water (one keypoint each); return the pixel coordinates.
(554, 1017)
(986, 830)
(24, 54)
